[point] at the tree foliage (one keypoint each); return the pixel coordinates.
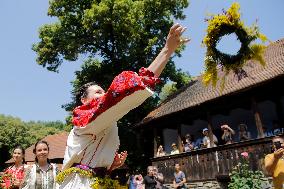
(167, 90)
(125, 34)
(13, 132)
(113, 36)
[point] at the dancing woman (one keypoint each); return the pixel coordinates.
(94, 140)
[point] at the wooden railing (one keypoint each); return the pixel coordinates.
(212, 163)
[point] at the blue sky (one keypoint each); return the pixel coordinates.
(30, 92)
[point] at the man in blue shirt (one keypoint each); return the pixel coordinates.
(180, 180)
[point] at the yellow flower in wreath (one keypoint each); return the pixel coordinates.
(224, 24)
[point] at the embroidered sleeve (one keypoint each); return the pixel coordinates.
(123, 85)
(148, 78)
(27, 178)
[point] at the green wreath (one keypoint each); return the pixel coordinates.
(97, 182)
(224, 24)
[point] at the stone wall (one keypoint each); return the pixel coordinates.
(202, 185)
(217, 185)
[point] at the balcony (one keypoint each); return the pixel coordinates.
(214, 163)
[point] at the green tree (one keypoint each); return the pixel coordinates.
(38, 130)
(12, 132)
(167, 90)
(113, 35)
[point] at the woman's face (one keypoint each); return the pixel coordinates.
(94, 91)
(18, 155)
(206, 133)
(42, 152)
(242, 128)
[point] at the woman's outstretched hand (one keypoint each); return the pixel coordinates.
(174, 39)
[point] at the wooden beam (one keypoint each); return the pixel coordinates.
(138, 139)
(279, 110)
(155, 141)
(179, 139)
(209, 120)
(257, 118)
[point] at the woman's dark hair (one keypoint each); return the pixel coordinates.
(23, 152)
(37, 143)
(82, 92)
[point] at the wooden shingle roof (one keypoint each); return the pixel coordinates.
(195, 93)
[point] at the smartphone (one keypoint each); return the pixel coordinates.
(277, 145)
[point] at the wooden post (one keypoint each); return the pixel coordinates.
(258, 122)
(138, 139)
(155, 142)
(279, 110)
(209, 120)
(179, 140)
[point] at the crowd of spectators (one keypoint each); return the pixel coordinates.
(208, 140)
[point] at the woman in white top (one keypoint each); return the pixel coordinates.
(41, 175)
(94, 139)
(207, 141)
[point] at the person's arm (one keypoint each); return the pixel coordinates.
(174, 183)
(215, 140)
(245, 135)
(17, 182)
(27, 179)
(183, 179)
(158, 152)
(191, 146)
(172, 43)
(271, 160)
(231, 130)
(128, 181)
(205, 142)
(160, 177)
(223, 136)
(118, 161)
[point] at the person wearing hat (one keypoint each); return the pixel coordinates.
(206, 139)
(174, 149)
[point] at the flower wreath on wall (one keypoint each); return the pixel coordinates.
(225, 24)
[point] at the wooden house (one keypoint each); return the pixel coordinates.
(256, 100)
